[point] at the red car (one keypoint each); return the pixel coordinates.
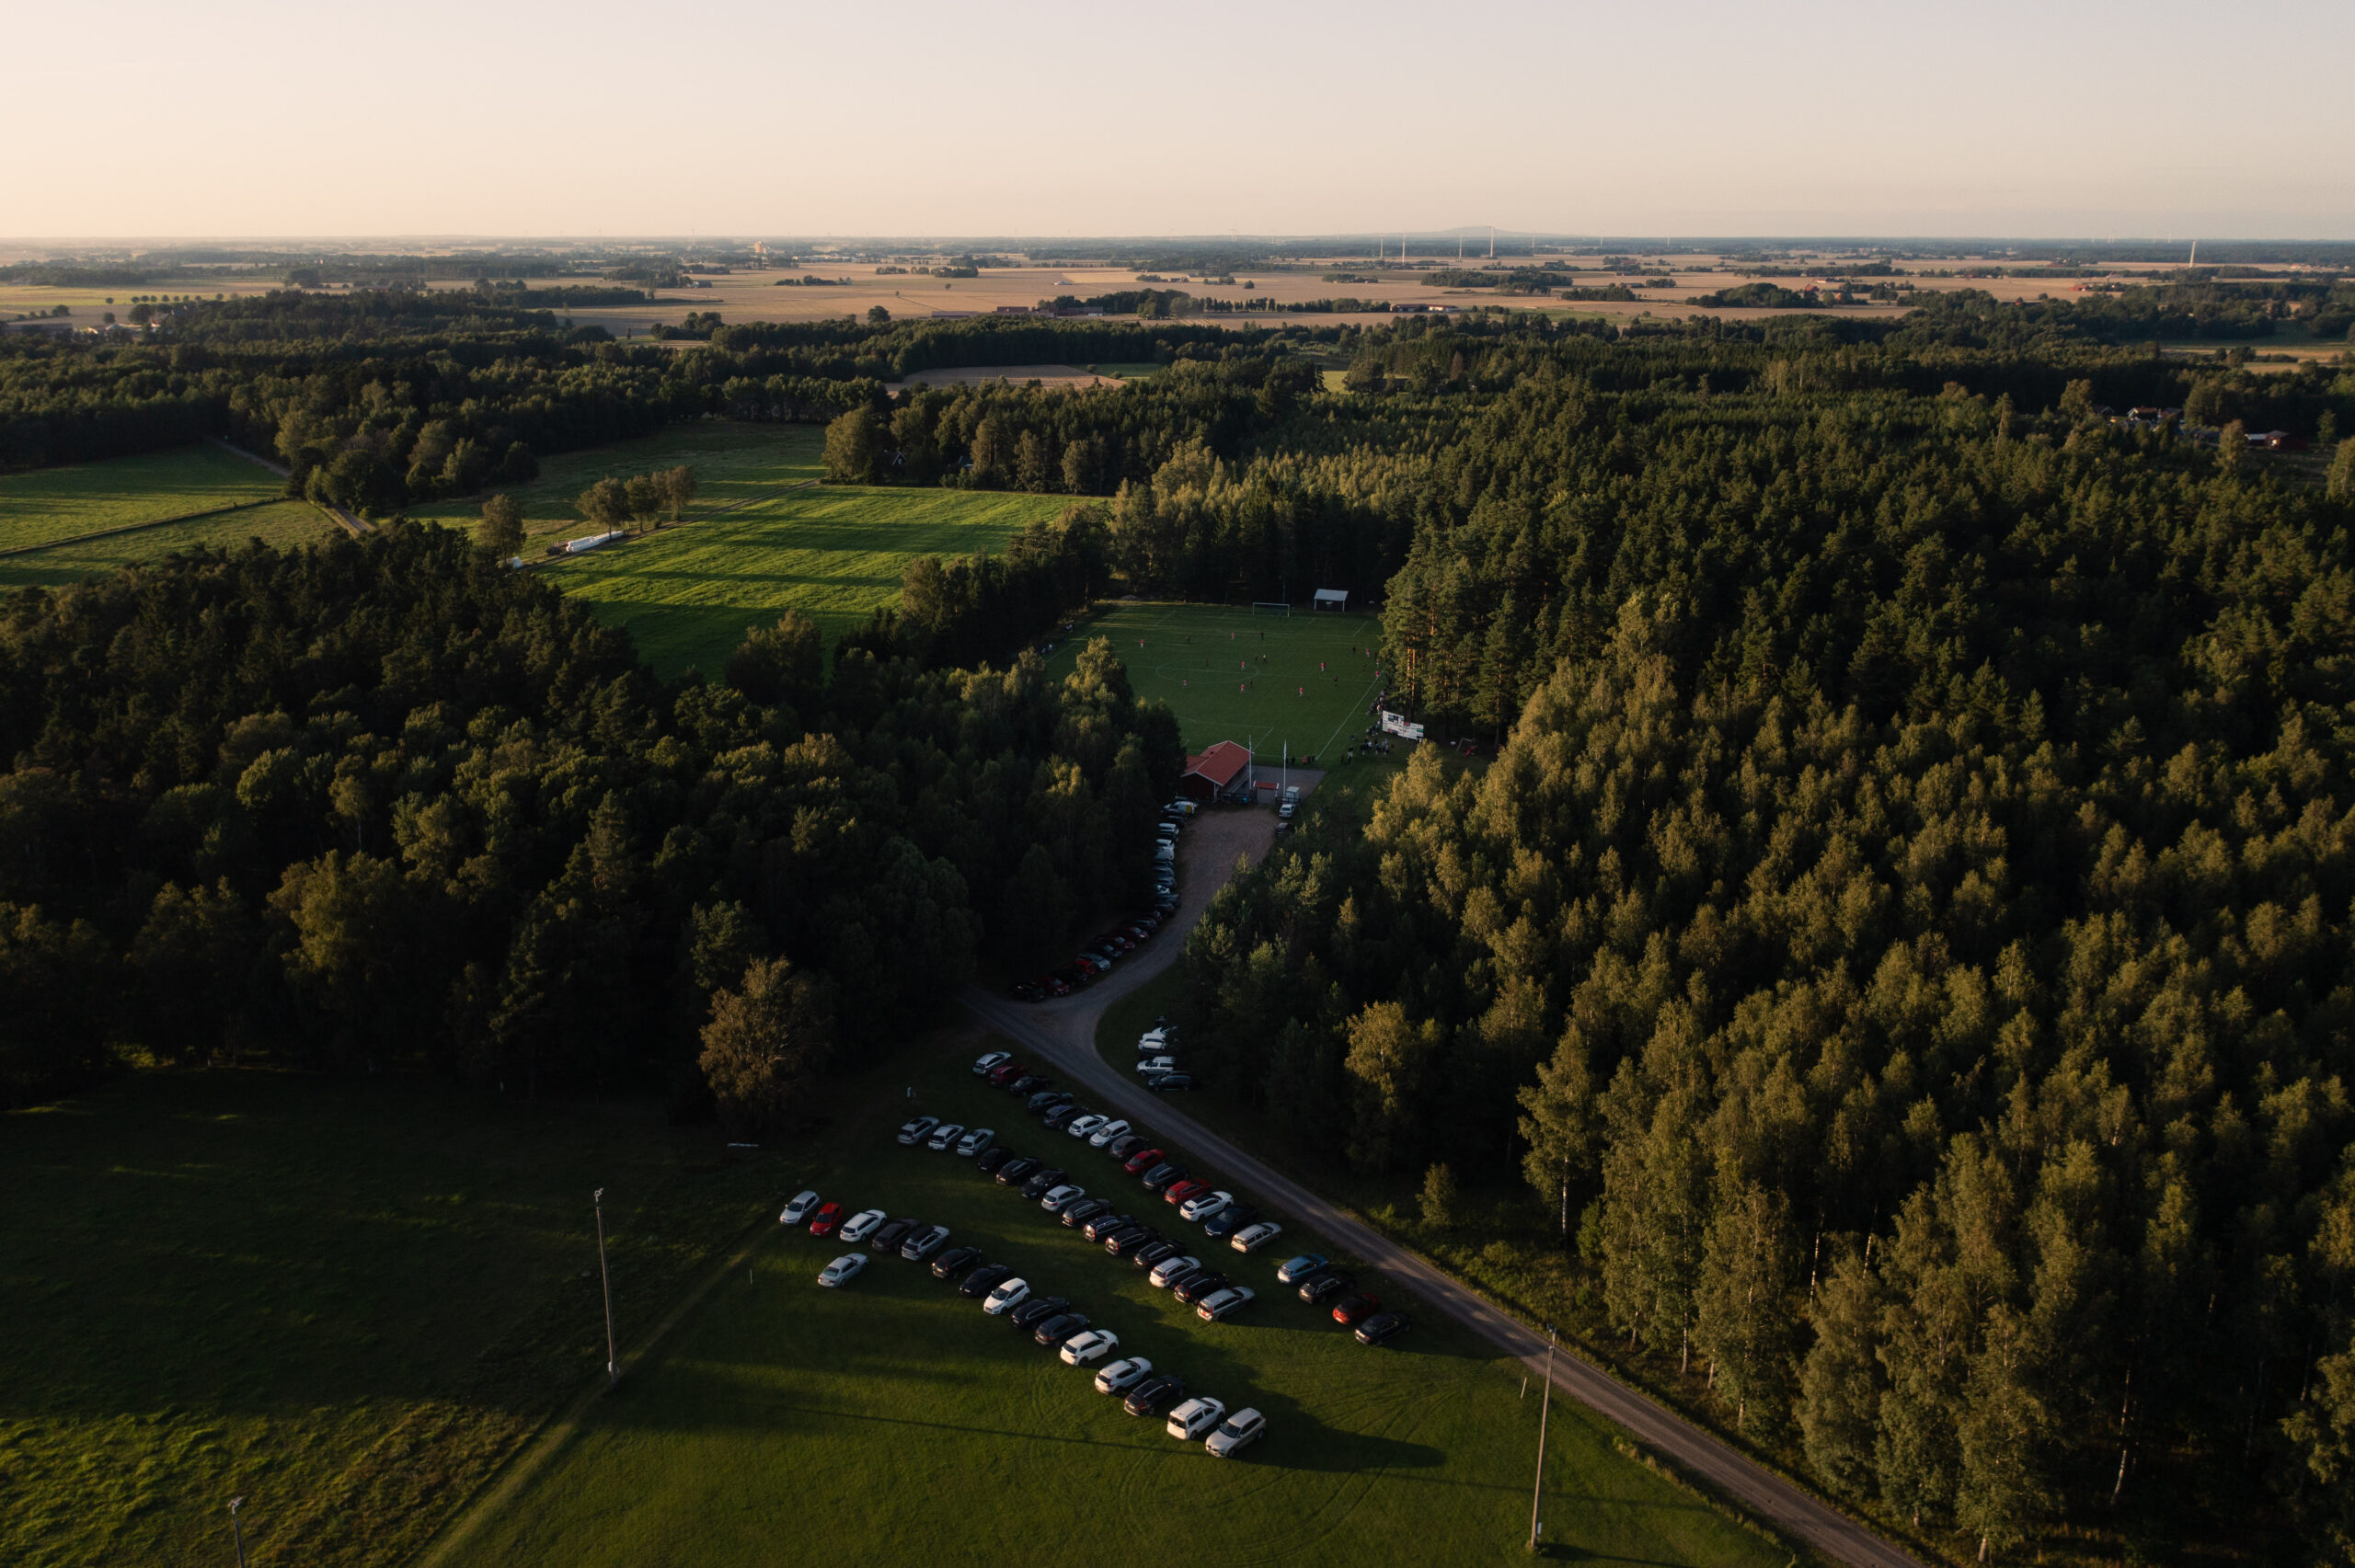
(827, 1218)
(1351, 1311)
(1143, 1159)
(1004, 1070)
(1179, 1192)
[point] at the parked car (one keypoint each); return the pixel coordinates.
(1383, 1327)
(1151, 1254)
(1006, 1295)
(1058, 1198)
(1043, 1182)
(1169, 1270)
(984, 1279)
(1161, 1175)
(1084, 1126)
(1036, 1311)
(955, 1261)
(1102, 1225)
(1088, 1347)
(1210, 1282)
(1027, 990)
(1227, 1221)
(1172, 1083)
(1293, 1270)
(1128, 1143)
(1122, 1376)
(1104, 1132)
(1180, 1192)
(987, 1060)
(1143, 1159)
(974, 1141)
(1182, 807)
(925, 1243)
(944, 1135)
(797, 1209)
(1195, 1418)
(863, 1224)
(888, 1238)
(1015, 1172)
(1351, 1311)
(1004, 1073)
(827, 1220)
(1047, 1099)
(1251, 1238)
(913, 1130)
(1235, 1433)
(994, 1161)
(1201, 1205)
(1319, 1288)
(1151, 1066)
(1026, 1084)
(842, 1270)
(1059, 1116)
(1164, 853)
(1220, 1305)
(1078, 1214)
(1120, 1244)
(1156, 1394)
(1177, 1279)
(1052, 1330)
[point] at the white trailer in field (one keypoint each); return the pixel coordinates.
(591, 541)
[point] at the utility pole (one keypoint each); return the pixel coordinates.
(234, 1503)
(1537, 1497)
(613, 1355)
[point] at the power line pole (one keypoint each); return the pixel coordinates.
(234, 1503)
(1537, 1497)
(613, 1355)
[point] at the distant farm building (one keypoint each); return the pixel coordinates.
(1222, 772)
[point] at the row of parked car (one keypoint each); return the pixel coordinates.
(1097, 959)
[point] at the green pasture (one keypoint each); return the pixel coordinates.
(282, 523)
(832, 552)
(893, 1422)
(58, 503)
(346, 1301)
(1230, 675)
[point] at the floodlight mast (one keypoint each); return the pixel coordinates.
(1537, 1495)
(613, 1355)
(237, 1530)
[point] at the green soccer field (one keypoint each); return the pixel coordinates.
(892, 1422)
(1265, 680)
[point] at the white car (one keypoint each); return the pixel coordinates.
(1196, 1416)
(915, 1129)
(1169, 1270)
(1183, 808)
(1239, 1430)
(1194, 1210)
(1091, 1345)
(975, 1142)
(1153, 1040)
(863, 1224)
(1222, 1304)
(1251, 1238)
(798, 1208)
(842, 1270)
(1106, 1133)
(1122, 1376)
(1080, 1127)
(989, 1060)
(944, 1135)
(1165, 853)
(1006, 1297)
(1151, 1066)
(1063, 1197)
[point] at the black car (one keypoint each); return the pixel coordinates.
(1155, 1395)
(1183, 1277)
(1026, 1082)
(1059, 1328)
(954, 1261)
(1027, 990)
(1153, 1252)
(1074, 977)
(1086, 1210)
(1167, 1174)
(1060, 1117)
(1120, 1242)
(1383, 1327)
(1014, 1171)
(1104, 1225)
(1037, 1310)
(984, 1279)
(1324, 1286)
(1128, 1143)
(988, 1163)
(1172, 1083)
(1046, 1181)
(1230, 1220)
(1047, 1099)
(1201, 1285)
(888, 1239)
(1134, 1230)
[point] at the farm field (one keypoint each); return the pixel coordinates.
(892, 1421)
(344, 1300)
(833, 552)
(282, 523)
(58, 503)
(1192, 656)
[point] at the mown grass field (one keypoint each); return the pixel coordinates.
(281, 523)
(58, 503)
(893, 1422)
(346, 1301)
(1265, 680)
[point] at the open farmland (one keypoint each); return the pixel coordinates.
(833, 552)
(282, 523)
(59, 503)
(1230, 675)
(892, 1421)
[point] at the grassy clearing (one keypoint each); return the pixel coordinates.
(347, 1301)
(833, 552)
(283, 523)
(1199, 657)
(58, 503)
(892, 1422)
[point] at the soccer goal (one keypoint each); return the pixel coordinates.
(1270, 607)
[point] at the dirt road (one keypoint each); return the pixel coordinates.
(1063, 1032)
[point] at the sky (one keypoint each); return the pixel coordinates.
(1037, 118)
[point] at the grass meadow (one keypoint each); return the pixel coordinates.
(893, 1422)
(346, 1301)
(58, 503)
(1230, 675)
(282, 523)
